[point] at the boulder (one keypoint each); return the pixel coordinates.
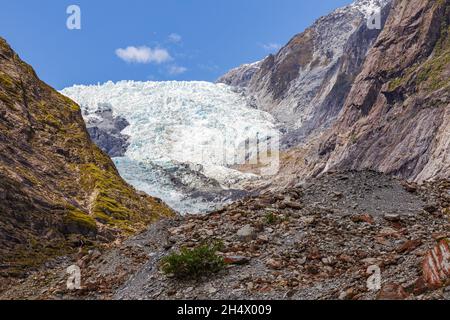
(436, 265)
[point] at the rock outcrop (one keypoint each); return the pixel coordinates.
(106, 129)
(306, 83)
(397, 116)
(58, 191)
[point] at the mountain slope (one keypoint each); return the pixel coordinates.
(57, 189)
(398, 111)
(306, 83)
(396, 119)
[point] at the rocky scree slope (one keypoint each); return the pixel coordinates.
(311, 241)
(396, 118)
(57, 189)
(306, 83)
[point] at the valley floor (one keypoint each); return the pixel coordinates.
(314, 241)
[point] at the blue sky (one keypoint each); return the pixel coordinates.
(151, 39)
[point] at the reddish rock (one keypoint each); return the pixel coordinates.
(274, 264)
(236, 260)
(409, 246)
(411, 188)
(436, 266)
(367, 218)
(420, 287)
(392, 291)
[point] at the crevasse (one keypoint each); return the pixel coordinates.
(178, 132)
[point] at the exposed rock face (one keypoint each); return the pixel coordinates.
(307, 82)
(397, 117)
(105, 130)
(57, 189)
(241, 76)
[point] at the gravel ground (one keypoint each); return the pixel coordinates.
(314, 241)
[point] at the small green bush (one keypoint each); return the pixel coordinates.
(270, 218)
(193, 263)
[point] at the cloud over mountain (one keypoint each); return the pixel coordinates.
(144, 54)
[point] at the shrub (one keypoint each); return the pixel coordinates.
(193, 263)
(270, 218)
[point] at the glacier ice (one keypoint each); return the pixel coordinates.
(178, 134)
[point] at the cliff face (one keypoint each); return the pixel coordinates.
(396, 118)
(57, 189)
(306, 83)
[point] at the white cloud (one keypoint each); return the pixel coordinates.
(271, 46)
(176, 70)
(175, 38)
(144, 54)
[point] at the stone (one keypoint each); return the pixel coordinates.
(236, 260)
(263, 238)
(389, 232)
(370, 261)
(436, 265)
(411, 188)
(439, 236)
(420, 286)
(210, 289)
(347, 294)
(247, 233)
(274, 264)
(292, 205)
(392, 217)
(367, 218)
(308, 220)
(430, 208)
(392, 291)
(409, 246)
(328, 261)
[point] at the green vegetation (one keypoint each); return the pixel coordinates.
(394, 84)
(270, 218)
(193, 263)
(6, 81)
(433, 74)
(34, 255)
(80, 221)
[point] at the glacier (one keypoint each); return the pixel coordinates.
(180, 136)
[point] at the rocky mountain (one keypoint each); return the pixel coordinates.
(396, 118)
(365, 111)
(58, 191)
(306, 83)
(106, 129)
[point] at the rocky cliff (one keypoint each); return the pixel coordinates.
(306, 83)
(58, 191)
(396, 118)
